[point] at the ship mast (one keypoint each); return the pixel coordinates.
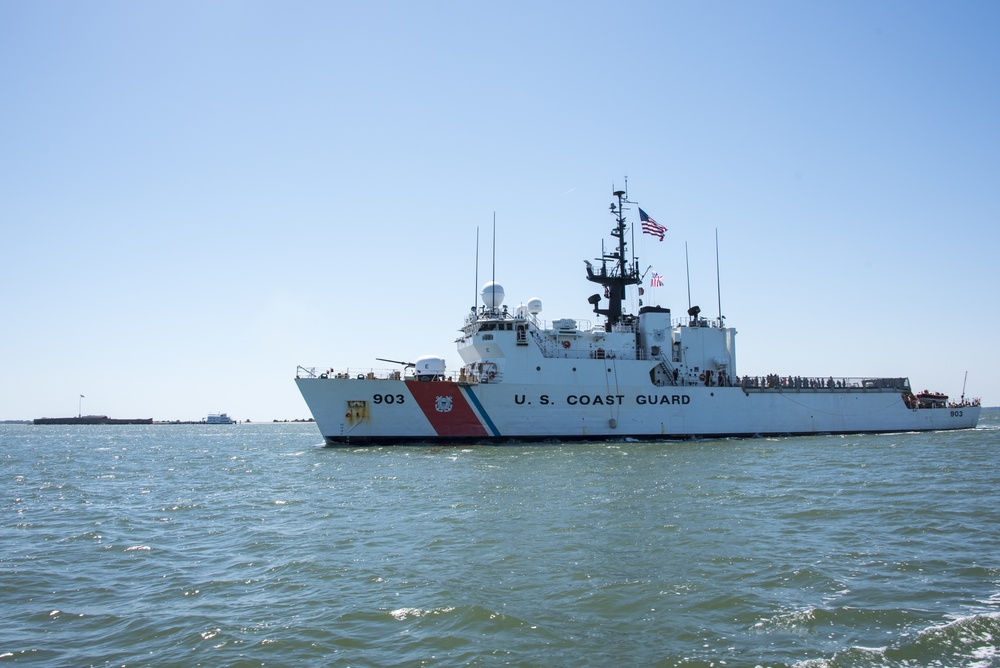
(620, 274)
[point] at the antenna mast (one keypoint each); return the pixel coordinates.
(620, 274)
(494, 279)
(476, 307)
(718, 276)
(687, 268)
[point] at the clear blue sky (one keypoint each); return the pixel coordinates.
(196, 197)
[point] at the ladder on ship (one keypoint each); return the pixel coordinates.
(663, 373)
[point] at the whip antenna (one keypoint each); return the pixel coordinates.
(718, 276)
(494, 254)
(476, 307)
(687, 267)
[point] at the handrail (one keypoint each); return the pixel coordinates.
(778, 382)
(365, 373)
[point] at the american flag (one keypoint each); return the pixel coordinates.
(656, 281)
(650, 226)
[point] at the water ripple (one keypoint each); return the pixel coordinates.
(249, 545)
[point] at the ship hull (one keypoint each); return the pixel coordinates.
(375, 411)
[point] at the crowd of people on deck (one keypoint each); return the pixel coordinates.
(775, 381)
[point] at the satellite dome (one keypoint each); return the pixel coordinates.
(534, 306)
(521, 311)
(493, 294)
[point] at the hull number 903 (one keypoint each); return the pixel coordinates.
(388, 398)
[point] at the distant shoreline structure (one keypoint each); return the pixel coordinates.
(105, 420)
(92, 419)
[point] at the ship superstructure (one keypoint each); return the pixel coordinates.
(642, 375)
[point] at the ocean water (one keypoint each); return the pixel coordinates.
(251, 545)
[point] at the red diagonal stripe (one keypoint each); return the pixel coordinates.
(461, 420)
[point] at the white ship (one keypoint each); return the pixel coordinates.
(644, 376)
(218, 418)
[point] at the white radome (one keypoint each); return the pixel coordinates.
(493, 294)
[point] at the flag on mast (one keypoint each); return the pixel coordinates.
(650, 226)
(656, 281)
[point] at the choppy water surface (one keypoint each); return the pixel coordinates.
(251, 545)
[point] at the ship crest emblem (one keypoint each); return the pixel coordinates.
(442, 404)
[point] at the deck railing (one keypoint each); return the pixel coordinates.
(778, 382)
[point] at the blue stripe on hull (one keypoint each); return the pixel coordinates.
(482, 411)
